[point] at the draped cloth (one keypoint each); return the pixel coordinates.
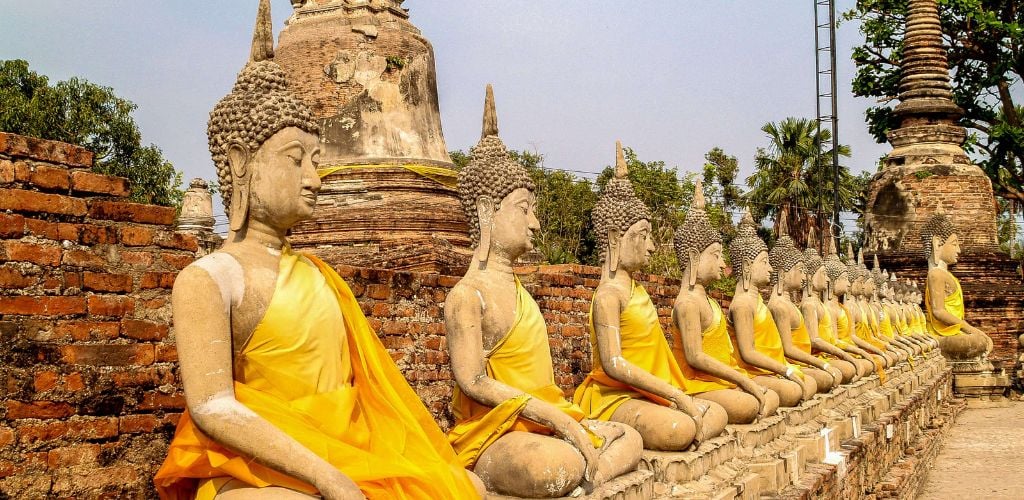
(767, 341)
(315, 369)
(801, 338)
(844, 333)
(715, 342)
(954, 304)
(522, 360)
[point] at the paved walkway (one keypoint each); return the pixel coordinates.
(982, 458)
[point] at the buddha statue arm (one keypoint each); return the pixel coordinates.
(463, 320)
(742, 313)
(687, 316)
(607, 309)
(204, 343)
(809, 308)
(938, 279)
(784, 315)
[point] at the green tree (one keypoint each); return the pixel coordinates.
(792, 178)
(720, 171)
(986, 58)
(82, 113)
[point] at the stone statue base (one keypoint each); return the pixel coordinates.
(980, 382)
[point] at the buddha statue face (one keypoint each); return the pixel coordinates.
(841, 285)
(819, 280)
(760, 270)
(793, 279)
(698, 244)
(513, 222)
(710, 264)
(947, 251)
(635, 246)
(284, 182)
(867, 287)
(941, 244)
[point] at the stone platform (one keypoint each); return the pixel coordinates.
(865, 438)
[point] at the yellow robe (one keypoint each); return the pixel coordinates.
(954, 304)
(715, 342)
(767, 341)
(315, 369)
(521, 359)
(885, 327)
(801, 338)
(844, 333)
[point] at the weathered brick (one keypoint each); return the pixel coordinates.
(6, 437)
(178, 241)
(21, 200)
(85, 259)
(108, 354)
(106, 282)
(111, 305)
(136, 424)
(45, 380)
(157, 280)
(11, 225)
(176, 260)
(143, 330)
(50, 178)
(92, 234)
(131, 212)
(13, 278)
(42, 306)
(154, 400)
(38, 409)
(20, 146)
(6, 171)
(73, 455)
(137, 259)
(36, 253)
(87, 330)
(166, 353)
(88, 182)
(136, 236)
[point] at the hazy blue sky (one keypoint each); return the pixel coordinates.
(672, 79)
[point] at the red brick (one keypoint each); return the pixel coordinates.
(85, 258)
(72, 455)
(12, 278)
(104, 282)
(176, 260)
(74, 382)
(91, 234)
(11, 225)
(152, 401)
(136, 236)
(157, 280)
(166, 353)
(21, 200)
(45, 380)
(20, 146)
(143, 330)
(108, 354)
(6, 437)
(378, 291)
(135, 424)
(7, 468)
(88, 182)
(44, 255)
(111, 305)
(50, 178)
(6, 171)
(42, 306)
(38, 409)
(135, 377)
(132, 212)
(178, 241)
(87, 330)
(92, 427)
(35, 433)
(137, 259)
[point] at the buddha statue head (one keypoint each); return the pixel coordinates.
(264, 143)
(838, 273)
(879, 278)
(864, 279)
(622, 222)
(940, 241)
(497, 195)
(698, 244)
(815, 277)
(786, 260)
(749, 255)
(856, 280)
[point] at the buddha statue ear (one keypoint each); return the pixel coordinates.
(485, 214)
(238, 161)
(933, 259)
(614, 240)
(693, 260)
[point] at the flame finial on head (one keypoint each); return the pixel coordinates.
(621, 169)
(490, 126)
(698, 195)
(263, 35)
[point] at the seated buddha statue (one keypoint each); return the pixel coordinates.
(817, 316)
(701, 342)
(912, 316)
(513, 425)
(289, 392)
(634, 378)
(787, 277)
(860, 318)
(943, 296)
(838, 285)
(890, 309)
(883, 328)
(756, 340)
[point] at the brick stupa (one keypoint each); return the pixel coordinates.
(928, 168)
(389, 199)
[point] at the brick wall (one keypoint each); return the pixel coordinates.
(87, 362)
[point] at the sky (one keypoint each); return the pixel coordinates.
(671, 79)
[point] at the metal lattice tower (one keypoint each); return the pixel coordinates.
(825, 91)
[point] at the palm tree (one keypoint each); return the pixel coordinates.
(795, 180)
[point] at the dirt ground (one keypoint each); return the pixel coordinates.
(983, 457)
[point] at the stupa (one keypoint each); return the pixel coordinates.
(928, 169)
(388, 197)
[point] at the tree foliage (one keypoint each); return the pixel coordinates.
(986, 56)
(791, 177)
(82, 113)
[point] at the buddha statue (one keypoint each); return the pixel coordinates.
(289, 392)
(701, 342)
(787, 277)
(891, 312)
(817, 316)
(860, 317)
(838, 285)
(513, 426)
(943, 296)
(883, 329)
(752, 329)
(635, 379)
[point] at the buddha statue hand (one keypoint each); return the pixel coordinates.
(578, 437)
(335, 485)
(837, 376)
(762, 401)
(696, 411)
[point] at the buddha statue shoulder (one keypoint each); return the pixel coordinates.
(634, 377)
(701, 342)
(818, 318)
(860, 319)
(838, 285)
(513, 426)
(787, 278)
(943, 295)
(752, 328)
(289, 393)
